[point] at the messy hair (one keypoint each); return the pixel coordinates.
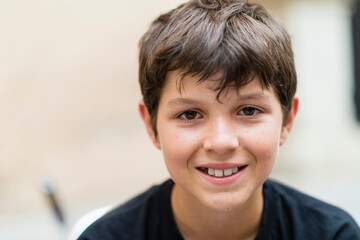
(237, 39)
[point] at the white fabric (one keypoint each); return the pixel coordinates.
(85, 221)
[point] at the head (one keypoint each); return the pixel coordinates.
(218, 84)
(234, 40)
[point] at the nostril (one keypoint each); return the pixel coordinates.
(221, 145)
(220, 136)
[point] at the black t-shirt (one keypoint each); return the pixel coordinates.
(288, 214)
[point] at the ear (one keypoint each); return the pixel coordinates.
(147, 121)
(290, 121)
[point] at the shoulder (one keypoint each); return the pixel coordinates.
(298, 201)
(128, 220)
(299, 214)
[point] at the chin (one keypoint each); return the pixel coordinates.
(224, 202)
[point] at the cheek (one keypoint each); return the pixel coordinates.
(263, 142)
(178, 146)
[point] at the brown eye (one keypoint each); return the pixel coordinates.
(249, 111)
(190, 115)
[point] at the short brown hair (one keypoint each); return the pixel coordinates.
(203, 37)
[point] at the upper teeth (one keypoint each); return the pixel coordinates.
(219, 172)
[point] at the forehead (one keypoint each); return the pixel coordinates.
(178, 85)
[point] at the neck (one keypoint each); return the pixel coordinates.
(196, 221)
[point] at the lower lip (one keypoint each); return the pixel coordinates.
(223, 180)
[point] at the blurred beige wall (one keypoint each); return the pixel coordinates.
(68, 100)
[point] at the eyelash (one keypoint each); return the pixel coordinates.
(182, 115)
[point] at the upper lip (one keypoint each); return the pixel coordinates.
(221, 166)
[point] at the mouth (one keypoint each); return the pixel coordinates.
(221, 173)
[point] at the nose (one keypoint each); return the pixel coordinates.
(220, 137)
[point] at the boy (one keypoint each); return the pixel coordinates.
(218, 84)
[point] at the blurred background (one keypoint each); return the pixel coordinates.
(69, 120)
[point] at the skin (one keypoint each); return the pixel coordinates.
(244, 128)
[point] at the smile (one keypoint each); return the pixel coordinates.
(219, 173)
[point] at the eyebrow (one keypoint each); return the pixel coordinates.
(242, 97)
(251, 96)
(178, 101)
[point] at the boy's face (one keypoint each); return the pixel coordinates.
(204, 139)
